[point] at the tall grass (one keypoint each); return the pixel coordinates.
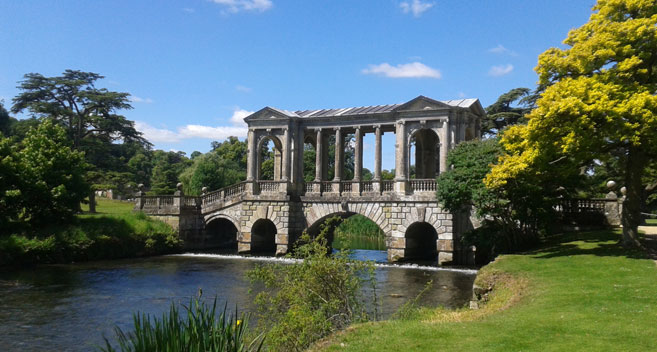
(199, 330)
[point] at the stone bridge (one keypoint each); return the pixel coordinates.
(268, 215)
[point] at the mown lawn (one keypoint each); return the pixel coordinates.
(582, 292)
(115, 231)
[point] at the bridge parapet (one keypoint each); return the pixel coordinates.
(170, 205)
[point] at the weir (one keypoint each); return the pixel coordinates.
(270, 214)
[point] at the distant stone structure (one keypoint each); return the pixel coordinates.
(268, 215)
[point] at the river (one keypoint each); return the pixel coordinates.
(71, 307)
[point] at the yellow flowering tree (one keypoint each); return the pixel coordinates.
(600, 97)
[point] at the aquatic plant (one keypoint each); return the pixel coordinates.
(199, 330)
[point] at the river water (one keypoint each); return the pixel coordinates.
(71, 307)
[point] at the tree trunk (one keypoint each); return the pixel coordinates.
(631, 216)
(92, 201)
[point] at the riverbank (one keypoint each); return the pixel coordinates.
(113, 232)
(581, 291)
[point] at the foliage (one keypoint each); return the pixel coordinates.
(114, 232)
(167, 168)
(213, 171)
(600, 97)
(577, 292)
(42, 178)
(501, 113)
(510, 216)
(307, 301)
(200, 330)
(89, 116)
(355, 228)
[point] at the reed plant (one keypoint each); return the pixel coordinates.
(198, 329)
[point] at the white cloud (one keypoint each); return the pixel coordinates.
(500, 70)
(189, 10)
(234, 6)
(410, 70)
(243, 89)
(500, 49)
(163, 135)
(136, 99)
(461, 95)
(416, 7)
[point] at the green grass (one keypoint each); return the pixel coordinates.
(581, 292)
(651, 222)
(115, 231)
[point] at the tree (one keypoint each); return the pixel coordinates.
(5, 120)
(74, 102)
(600, 96)
(52, 181)
(167, 168)
(87, 113)
(502, 113)
(211, 170)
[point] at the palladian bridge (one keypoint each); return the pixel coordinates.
(261, 215)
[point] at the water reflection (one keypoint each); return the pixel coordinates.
(71, 307)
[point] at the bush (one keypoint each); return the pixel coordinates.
(309, 300)
(197, 331)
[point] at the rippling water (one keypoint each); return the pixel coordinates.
(71, 307)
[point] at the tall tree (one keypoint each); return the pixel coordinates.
(87, 113)
(509, 109)
(600, 97)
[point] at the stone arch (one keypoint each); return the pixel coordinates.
(430, 215)
(421, 242)
(426, 143)
(278, 155)
(263, 236)
(373, 211)
(221, 232)
(214, 216)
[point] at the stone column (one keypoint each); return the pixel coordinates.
(318, 155)
(401, 156)
(339, 151)
(444, 147)
(252, 161)
(376, 185)
(358, 161)
(287, 147)
(319, 161)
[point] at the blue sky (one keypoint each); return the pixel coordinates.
(196, 67)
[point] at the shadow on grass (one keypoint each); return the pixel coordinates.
(604, 243)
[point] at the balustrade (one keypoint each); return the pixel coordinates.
(423, 185)
(387, 186)
(268, 186)
(367, 186)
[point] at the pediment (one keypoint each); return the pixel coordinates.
(269, 113)
(422, 103)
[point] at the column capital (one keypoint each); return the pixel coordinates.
(337, 128)
(318, 129)
(401, 122)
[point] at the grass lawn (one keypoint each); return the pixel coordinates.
(582, 292)
(115, 231)
(651, 222)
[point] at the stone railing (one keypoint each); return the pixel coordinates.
(166, 203)
(223, 194)
(387, 186)
(367, 186)
(589, 212)
(267, 186)
(423, 185)
(594, 205)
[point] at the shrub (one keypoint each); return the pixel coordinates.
(306, 301)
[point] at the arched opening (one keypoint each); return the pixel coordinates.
(270, 159)
(421, 243)
(424, 154)
(263, 237)
(309, 159)
(353, 231)
(221, 233)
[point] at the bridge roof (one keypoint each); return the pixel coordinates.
(376, 109)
